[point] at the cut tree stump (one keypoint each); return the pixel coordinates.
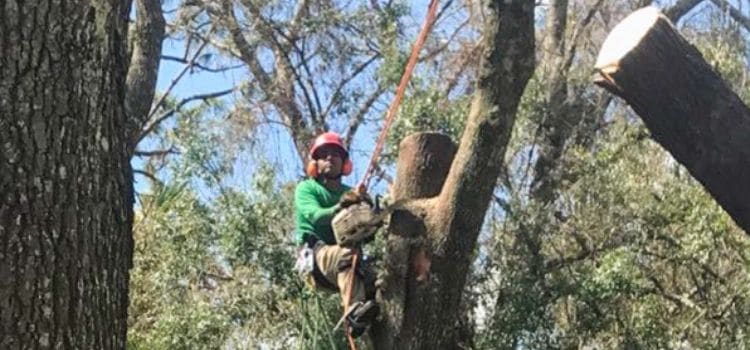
(423, 163)
(685, 104)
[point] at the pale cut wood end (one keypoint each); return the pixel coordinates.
(625, 36)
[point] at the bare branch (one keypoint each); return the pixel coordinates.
(204, 97)
(148, 175)
(358, 118)
(733, 12)
(246, 51)
(200, 66)
(680, 8)
(176, 80)
(158, 153)
(440, 49)
(465, 59)
(300, 12)
(577, 35)
(317, 122)
(340, 87)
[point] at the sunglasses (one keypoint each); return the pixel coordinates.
(324, 152)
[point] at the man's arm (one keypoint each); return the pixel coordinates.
(307, 204)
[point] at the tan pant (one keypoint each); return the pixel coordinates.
(327, 257)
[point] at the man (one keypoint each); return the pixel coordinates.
(316, 200)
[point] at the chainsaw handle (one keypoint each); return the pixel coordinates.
(376, 208)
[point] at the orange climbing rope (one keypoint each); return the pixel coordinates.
(393, 108)
(349, 289)
(390, 116)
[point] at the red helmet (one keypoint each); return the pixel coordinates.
(328, 138)
(325, 139)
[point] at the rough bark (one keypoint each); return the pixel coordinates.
(65, 190)
(556, 124)
(685, 104)
(423, 163)
(428, 315)
(146, 40)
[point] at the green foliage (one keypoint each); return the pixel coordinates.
(427, 110)
(631, 254)
(724, 48)
(635, 254)
(209, 275)
(172, 260)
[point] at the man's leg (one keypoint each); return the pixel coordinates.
(335, 263)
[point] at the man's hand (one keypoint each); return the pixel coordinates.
(353, 197)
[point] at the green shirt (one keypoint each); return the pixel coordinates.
(314, 206)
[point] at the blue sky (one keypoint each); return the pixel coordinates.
(274, 141)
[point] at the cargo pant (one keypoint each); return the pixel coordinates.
(335, 265)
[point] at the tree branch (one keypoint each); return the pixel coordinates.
(465, 59)
(200, 66)
(507, 64)
(357, 118)
(176, 80)
(733, 12)
(148, 175)
(438, 50)
(246, 51)
(152, 125)
(140, 82)
(160, 152)
(577, 35)
(337, 92)
(680, 8)
(277, 89)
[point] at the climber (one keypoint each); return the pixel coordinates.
(322, 262)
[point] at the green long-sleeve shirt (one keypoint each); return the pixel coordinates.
(314, 206)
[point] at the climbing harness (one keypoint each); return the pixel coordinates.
(390, 116)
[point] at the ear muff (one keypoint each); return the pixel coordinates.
(312, 169)
(346, 169)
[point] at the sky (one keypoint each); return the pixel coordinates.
(275, 141)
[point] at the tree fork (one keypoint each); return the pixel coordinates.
(685, 104)
(422, 166)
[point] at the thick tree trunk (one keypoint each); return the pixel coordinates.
(65, 180)
(437, 235)
(423, 163)
(685, 104)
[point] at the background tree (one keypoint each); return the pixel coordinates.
(595, 237)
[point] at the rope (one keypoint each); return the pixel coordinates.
(391, 114)
(348, 298)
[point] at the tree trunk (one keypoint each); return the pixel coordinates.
(437, 236)
(685, 104)
(140, 82)
(65, 192)
(423, 163)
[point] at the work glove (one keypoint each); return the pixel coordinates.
(353, 197)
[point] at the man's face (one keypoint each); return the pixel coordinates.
(329, 160)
